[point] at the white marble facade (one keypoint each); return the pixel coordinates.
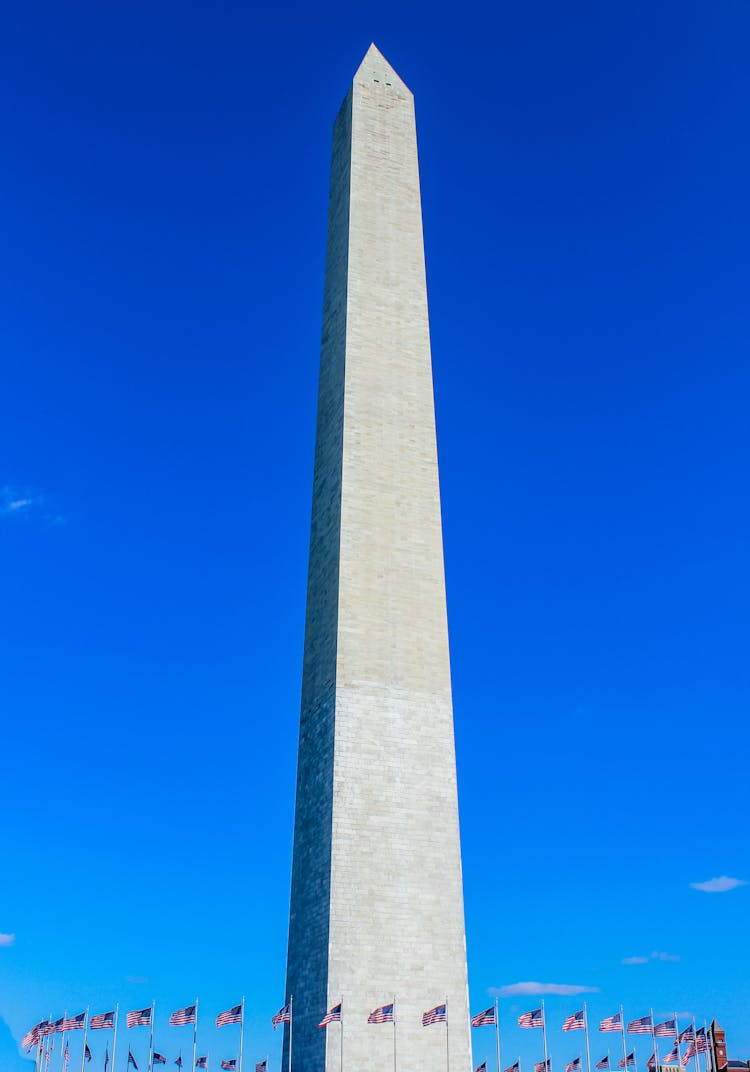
(377, 902)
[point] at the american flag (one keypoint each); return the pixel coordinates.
(575, 1022)
(438, 1015)
(231, 1016)
(87, 1052)
(574, 1065)
(66, 1055)
(700, 1039)
(543, 1066)
(74, 1023)
(691, 1051)
(178, 1062)
(672, 1057)
(640, 1027)
(132, 1060)
(604, 1063)
(229, 1066)
(106, 1056)
(283, 1016)
(666, 1029)
(650, 1063)
(531, 1019)
(612, 1023)
(56, 1027)
(484, 1019)
(262, 1066)
(514, 1067)
(32, 1037)
(201, 1062)
(104, 1019)
(183, 1016)
(138, 1018)
(383, 1015)
(630, 1060)
(159, 1058)
(482, 1067)
(332, 1016)
(687, 1035)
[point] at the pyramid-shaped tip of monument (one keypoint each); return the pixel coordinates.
(376, 68)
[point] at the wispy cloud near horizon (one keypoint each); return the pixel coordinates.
(718, 885)
(539, 989)
(656, 955)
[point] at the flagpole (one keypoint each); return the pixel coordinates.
(291, 1019)
(447, 1039)
(341, 1037)
(656, 1048)
(708, 1049)
(624, 1047)
(497, 1036)
(695, 1047)
(544, 1036)
(114, 1037)
(151, 1040)
(394, 1033)
(62, 1043)
(586, 1032)
(242, 1026)
(677, 1037)
(195, 1033)
(85, 1034)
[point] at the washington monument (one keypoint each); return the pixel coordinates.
(377, 911)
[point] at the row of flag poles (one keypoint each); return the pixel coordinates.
(695, 1039)
(41, 1037)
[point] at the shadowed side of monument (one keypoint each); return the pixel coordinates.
(377, 903)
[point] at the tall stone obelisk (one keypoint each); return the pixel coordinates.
(377, 902)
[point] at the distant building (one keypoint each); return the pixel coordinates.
(721, 1062)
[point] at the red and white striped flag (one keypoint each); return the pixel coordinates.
(383, 1015)
(333, 1016)
(640, 1027)
(231, 1016)
(438, 1015)
(484, 1019)
(183, 1016)
(138, 1018)
(74, 1023)
(102, 1021)
(531, 1019)
(283, 1016)
(575, 1022)
(574, 1065)
(612, 1023)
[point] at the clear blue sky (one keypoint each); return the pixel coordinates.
(164, 195)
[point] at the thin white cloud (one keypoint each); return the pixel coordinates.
(656, 955)
(136, 979)
(7, 939)
(532, 989)
(15, 503)
(718, 885)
